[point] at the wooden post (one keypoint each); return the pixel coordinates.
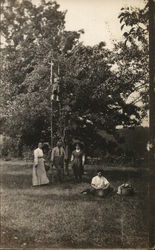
(59, 105)
(51, 84)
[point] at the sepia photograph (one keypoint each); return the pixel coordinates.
(77, 124)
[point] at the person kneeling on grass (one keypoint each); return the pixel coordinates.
(100, 186)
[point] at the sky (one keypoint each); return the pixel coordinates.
(98, 18)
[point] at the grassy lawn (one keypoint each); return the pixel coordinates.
(59, 216)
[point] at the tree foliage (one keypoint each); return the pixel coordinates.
(92, 96)
(133, 53)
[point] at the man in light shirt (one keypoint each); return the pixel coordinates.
(57, 158)
(99, 181)
(100, 186)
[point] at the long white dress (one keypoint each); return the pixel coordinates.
(39, 176)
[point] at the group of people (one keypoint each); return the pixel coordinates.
(58, 158)
(99, 183)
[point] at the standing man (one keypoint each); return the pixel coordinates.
(57, 158)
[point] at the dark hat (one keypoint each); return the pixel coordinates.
(78, 142)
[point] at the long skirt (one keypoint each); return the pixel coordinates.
(77, 168)
(39, 176)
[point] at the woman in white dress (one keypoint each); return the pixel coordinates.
(39, 176)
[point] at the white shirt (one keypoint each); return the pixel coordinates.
(99, 182)
(58, 152)
(37, 153)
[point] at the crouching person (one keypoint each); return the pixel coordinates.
(100, 186)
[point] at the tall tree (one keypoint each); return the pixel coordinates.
(93, 97)
(32, 35)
